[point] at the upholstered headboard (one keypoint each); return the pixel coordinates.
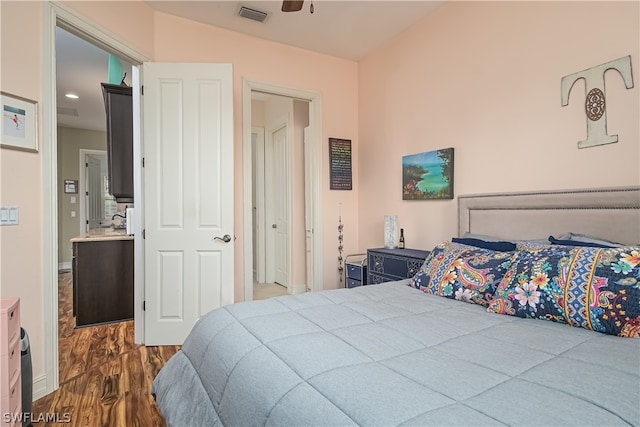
(610, 213)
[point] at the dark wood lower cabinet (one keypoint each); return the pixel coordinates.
(102, 281)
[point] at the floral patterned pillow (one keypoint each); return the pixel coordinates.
(592, 288)
(526, 245)
(462, 272)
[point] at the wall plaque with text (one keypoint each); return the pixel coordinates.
(340, 164)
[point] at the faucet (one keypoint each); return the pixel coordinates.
(123, 222)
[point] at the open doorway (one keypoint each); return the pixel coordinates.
(278, 197)
(86, 210)
(283, 189)
(97, 208)
(58, 206)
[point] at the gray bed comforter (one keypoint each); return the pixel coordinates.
(388, 355)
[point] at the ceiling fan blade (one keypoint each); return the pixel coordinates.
(292, 5)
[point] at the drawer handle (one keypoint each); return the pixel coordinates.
(11, 315)
(12, 353)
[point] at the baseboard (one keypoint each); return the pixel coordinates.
(39, 387)
(299, 289)
(64, 265)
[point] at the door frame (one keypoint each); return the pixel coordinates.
(56, 14)
(315, 124)
(258, 186)
(308, 208)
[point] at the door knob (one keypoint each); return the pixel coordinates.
(274, 226)
(226, 238)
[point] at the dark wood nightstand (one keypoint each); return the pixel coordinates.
(386, 265)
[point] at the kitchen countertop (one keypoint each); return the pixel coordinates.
(101, 234)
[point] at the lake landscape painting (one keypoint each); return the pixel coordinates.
(428, 176)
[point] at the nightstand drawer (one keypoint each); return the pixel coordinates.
(357, 272)
(353, 283)
(393, 264)
(10, 326)
(13, 358)
(374, 279)
(10, 360)
(15, 394)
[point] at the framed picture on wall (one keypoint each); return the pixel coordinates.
(71, 186)
(19, 123)
(427, 176)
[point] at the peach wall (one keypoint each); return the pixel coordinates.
(130, 20)
(181, 40)
(257, 113)
(21, 174)
(484, 78)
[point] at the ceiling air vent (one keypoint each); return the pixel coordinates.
(249, 13)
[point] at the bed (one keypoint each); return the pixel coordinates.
(478, 349)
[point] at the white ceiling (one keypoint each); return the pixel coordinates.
(80, 68)
(346, 29)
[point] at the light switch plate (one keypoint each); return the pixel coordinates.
(9, 215)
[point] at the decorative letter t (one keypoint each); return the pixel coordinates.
(594, 104)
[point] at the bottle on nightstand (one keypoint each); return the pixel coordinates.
(401, 242)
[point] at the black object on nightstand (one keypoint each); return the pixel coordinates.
(356, 271)
(386, 265)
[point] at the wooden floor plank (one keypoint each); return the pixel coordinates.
(105, 378)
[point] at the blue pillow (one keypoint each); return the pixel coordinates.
(555, 241)
(494, 246)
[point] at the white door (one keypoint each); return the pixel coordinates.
(277, 203)
(188, 187)
(93, 194)
(258, 208)
(308, 209)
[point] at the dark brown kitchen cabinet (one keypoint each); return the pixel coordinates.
(118, 103)
(102, 281)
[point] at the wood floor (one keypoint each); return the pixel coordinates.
(105, 379)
